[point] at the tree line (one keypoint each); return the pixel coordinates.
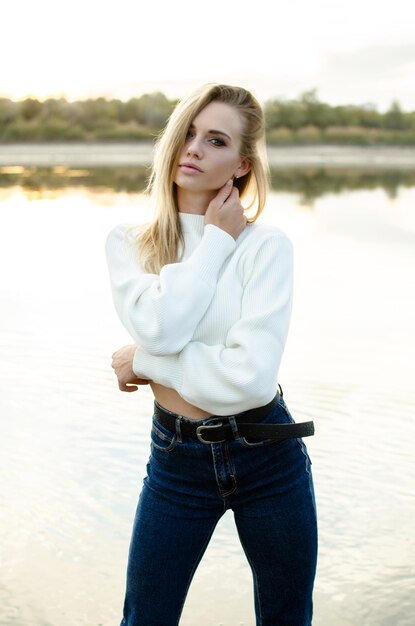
(303, 120)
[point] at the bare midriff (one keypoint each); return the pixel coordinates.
(172, 401)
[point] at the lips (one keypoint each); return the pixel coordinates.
(192, 165)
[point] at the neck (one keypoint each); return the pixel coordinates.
(195, 202)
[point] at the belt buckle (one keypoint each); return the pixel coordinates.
(200, 436)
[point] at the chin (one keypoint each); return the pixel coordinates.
(192, 185)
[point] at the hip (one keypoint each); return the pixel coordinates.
(247, 465)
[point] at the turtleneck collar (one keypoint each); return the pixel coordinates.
(192, 223)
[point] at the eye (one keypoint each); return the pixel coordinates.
(219, 140)
(188, 134)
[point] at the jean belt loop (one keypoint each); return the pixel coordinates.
(178, 428)
(280, 390)
(234, 426)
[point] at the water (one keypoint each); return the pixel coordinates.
(73, 448)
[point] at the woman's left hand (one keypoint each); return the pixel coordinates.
(122, 364)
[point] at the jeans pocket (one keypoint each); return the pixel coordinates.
(304, 451)
(278, 415)
(300, 442)
(162, 438)
(286, 411)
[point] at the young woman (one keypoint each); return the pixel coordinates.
(206, 294)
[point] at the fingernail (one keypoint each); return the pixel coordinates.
(229, 182)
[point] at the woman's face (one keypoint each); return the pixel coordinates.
(212, 145)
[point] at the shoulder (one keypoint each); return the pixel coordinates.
(263, 249)
(123, 233)
(261, 237)
(121, 245)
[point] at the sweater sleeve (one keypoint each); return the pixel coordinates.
(162, 311)
(242, 374)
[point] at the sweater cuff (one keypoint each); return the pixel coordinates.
(161, 369)
(215, 246)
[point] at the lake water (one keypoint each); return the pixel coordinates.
(73, 448)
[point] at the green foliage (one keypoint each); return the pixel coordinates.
(305, 120)
(124, 132)
(30, 109)
(308, 121)
(395, 118)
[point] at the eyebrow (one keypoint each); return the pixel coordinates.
(214, 132)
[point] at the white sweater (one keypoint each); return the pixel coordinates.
(214, 325)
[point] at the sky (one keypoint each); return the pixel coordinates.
(354, 52)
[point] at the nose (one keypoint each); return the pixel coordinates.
(193, 148)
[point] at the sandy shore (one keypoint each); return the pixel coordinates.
(140, 153)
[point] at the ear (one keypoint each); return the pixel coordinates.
(243, 168)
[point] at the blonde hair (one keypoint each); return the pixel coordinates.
(158, 242)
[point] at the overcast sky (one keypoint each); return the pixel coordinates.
(354, 52)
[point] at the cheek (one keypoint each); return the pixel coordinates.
(226, 163)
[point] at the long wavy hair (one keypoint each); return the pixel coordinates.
(158, 242)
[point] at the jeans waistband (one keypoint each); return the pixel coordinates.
(227, 427)
(251, 415)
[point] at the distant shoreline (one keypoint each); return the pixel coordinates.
(119, 154)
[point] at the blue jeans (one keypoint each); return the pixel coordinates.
(188, 487)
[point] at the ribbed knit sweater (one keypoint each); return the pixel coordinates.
(212, 326)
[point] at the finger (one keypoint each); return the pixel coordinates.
(222, 194)
(124, 387)
(234, 195)
(130, 388)
(121, 385)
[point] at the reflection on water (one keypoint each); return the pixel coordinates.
(73, 448)
(310, 183)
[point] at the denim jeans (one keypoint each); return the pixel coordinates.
(188, 487)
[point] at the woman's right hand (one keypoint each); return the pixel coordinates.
(226, 211)
(122, 364)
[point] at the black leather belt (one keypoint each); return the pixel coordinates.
(221, 431)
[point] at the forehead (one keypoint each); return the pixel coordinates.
(219, 116)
